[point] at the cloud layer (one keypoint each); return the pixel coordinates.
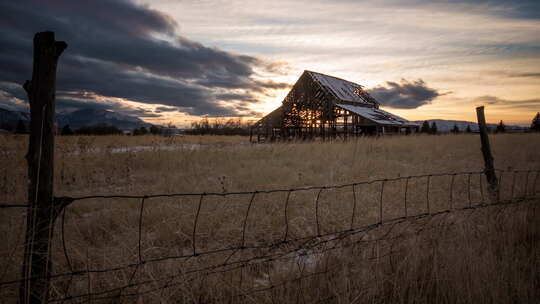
(507, 103)
(117, 49)
(123, 51)
(405, 95)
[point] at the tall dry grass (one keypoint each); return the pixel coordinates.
(489, 255)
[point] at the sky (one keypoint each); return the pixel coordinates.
(179, 60)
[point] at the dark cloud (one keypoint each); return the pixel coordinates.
(12, 97)
(528, 104)
(522, 9)
(69, 104)
(9, 102)
(165, 109)
(405, 95)
(237, 96)
(118, 49)
(13, 90)
(277, 67)
(270, 84)
(511, 74)
(526, 75)
(489, 100)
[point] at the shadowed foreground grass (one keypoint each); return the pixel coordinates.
(488, 255)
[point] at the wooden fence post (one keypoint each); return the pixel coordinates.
(486, 152)
(36, 268)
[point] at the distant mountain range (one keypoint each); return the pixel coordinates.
(91, 117)
(447, 125)
(77, 119)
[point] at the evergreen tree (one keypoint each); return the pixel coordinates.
(66, 130)
(433, 129)
(468, 130)
(455, 129)
(140, 131)
(501, 128)
(535, 126)
(21, 127)
(425, 127)
(155, 130)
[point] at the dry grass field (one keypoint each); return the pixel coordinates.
(487, 255)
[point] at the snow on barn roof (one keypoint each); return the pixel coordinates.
(343, 89)
(378, 116)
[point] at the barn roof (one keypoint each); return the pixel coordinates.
(378, 116)
(273, 118)
(343, 89)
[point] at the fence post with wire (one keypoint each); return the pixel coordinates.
(43, 208)
(491, 177)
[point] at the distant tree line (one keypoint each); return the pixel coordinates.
(220, 126)
(432, 129)
(217, 126)
(17, 128)
(501, 127)
(145, 131)
(429, 129)
(22, 128)
(113, 130)
(92, 130)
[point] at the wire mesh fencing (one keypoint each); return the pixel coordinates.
(305, 244)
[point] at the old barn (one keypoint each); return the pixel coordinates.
(320, 105)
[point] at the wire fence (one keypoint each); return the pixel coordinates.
(294, 244)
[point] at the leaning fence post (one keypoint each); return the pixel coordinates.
(486, 152)
(36, 268)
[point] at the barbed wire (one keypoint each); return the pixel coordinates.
(288, 248)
